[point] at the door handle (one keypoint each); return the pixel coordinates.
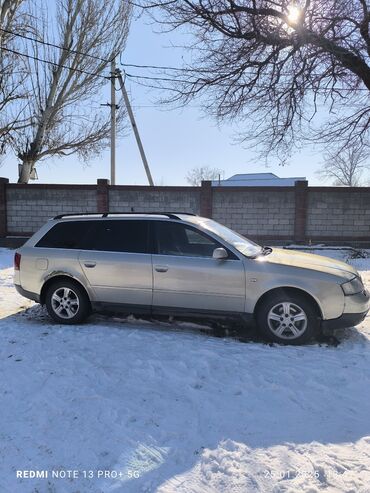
(161, 268)
(89, 265)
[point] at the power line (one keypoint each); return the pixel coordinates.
(131, 76)
(46, 43)
(54, 63)
(136, 76)
(156, 67)
(140, 106)
(159, 67)
(77, 52)
(162, 79)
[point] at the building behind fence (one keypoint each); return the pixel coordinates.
(299, 214)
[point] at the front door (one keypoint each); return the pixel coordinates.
(186, 276)
(116, 262)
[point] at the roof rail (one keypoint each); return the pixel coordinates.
(171, 215)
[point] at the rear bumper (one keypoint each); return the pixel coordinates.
(27, 294)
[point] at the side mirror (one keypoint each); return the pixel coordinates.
(219, 254)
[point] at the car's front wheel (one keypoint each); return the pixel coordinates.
(66, 302)
(288, 318)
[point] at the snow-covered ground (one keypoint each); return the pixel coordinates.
(166, 408)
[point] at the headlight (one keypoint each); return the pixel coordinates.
(353, 287)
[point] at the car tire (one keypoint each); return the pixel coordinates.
(288, 318)
(67, 302)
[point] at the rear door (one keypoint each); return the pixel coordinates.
(186, 276)
(116, 262)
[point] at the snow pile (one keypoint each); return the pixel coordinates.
(6, 258)
(164, 408)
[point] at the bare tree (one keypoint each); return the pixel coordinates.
(12, 71)
(274, 63)
(201, 173)
(347, 166)
(64, 96)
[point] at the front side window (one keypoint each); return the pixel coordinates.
(178, 239)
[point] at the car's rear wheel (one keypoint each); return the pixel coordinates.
(288, 318)
(67, 302)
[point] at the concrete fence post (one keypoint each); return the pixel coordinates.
(301, 204)
(102, 195)
(3, 210)
(206, 199)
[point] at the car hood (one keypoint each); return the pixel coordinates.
(310, 261)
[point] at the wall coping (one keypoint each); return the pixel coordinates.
(148, 188)
(253, 189)
(340, 189)
(51, 186)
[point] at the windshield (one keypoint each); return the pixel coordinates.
(242, 244)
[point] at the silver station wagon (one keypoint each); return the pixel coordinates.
(184, 265)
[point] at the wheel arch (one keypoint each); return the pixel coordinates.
(58, 277)
(291, 291)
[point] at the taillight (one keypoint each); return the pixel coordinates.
(17, 261)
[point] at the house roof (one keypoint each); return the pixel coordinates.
(257, 180)
(252, 176)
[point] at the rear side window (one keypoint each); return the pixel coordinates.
(128, 236)
(69, 234)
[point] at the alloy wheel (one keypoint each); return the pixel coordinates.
(287, 320)
(65, 302)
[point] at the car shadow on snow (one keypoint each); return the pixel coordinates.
(231, 330)
(199, 397)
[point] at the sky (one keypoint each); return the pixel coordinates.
(175, 141)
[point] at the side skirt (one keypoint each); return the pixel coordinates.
(182, 313)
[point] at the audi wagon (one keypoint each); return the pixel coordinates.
(184, 265)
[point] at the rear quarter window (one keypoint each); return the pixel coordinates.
(71, 235)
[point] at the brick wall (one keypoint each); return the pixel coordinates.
(186, 199)
(266, 214)
(255, 212)
(338, 212)
(30, 206)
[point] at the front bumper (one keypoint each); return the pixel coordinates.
(355, 310)
(342, 322)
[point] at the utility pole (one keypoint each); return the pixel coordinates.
(134, 127)
(113, 108)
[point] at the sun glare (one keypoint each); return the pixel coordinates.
(294, 14)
